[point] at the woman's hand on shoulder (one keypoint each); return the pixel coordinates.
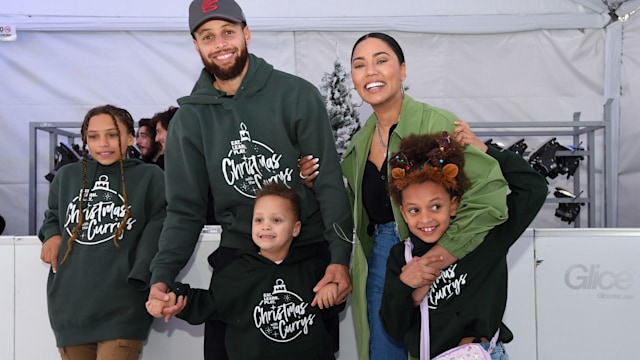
(308, 170)
(464, 136)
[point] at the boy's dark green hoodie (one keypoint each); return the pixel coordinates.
(236, 143)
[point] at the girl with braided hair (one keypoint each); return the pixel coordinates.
(466, 300)
(99, 234)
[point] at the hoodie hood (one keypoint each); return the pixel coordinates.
(296, 255)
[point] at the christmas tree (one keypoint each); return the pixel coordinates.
(342, 113)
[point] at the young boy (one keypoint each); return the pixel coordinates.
(467, 300)
(264, 297)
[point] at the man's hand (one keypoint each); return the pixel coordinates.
(50, 250)
(155, 306)
(159, 291)
(335, 273)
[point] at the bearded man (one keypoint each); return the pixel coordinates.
(243, 125)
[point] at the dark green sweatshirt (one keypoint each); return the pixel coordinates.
(237, 143)
(267, 307)
(470, 296)
(99, 292)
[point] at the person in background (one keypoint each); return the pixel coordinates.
(99, 234)
(160, 122)
(467, 300)
(150, 150)
(246, 124)
(378, 70)
(275, 276)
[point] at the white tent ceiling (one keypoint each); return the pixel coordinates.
(461, 16)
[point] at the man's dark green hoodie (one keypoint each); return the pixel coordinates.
(236, 143)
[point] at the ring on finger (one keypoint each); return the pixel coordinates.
(302, 176)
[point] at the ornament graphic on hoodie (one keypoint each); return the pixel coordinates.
(282, 315)
(103, 212)
(449, 284)
(250, 163)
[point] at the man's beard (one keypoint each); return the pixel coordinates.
(228, 73)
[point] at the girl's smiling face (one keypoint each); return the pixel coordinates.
(427, 208)
(102, 139)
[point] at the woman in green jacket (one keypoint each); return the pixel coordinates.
(378, 69)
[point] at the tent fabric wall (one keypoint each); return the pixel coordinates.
(436, 16)
(629, 146)
(305, 9)
(520, 76)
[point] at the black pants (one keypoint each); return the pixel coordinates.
(214, 330)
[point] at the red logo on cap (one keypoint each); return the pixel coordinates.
(209, 6)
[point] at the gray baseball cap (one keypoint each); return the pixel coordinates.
(201, 11)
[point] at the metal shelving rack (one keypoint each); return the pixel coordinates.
(55, 130)
(577, 130)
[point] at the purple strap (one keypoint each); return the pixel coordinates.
(425, 350)
(424, 310)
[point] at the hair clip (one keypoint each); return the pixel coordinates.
(450, 171)
(436, 156)
(400, 165)
(397, 173)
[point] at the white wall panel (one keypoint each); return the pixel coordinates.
(520, 315)
(33, 335)
(7, 300)
(584, 291)
(587, 293)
